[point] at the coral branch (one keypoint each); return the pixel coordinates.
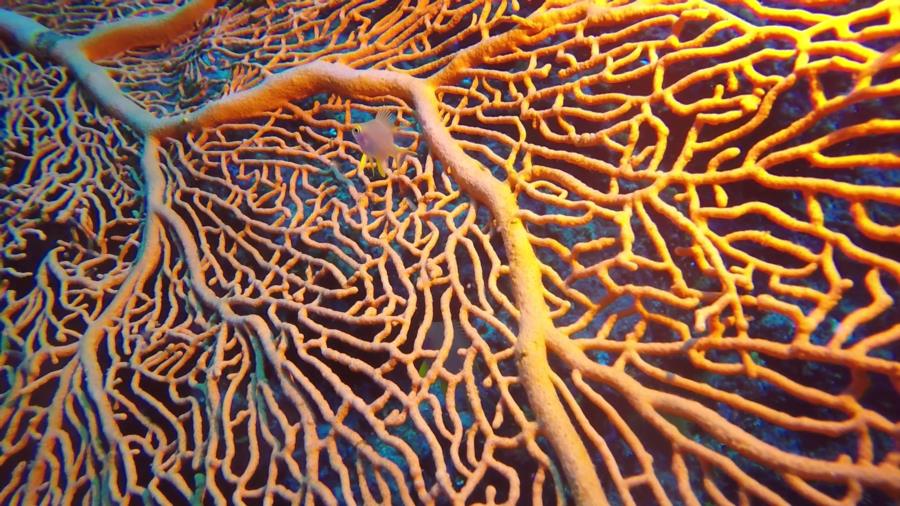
(626, 252)
(114, 38)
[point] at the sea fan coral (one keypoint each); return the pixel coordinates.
(638, 252)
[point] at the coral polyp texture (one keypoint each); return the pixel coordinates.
(625, 253)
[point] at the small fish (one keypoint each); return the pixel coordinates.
(376, 139)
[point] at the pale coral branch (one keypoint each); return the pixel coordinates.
(38, 39)
(24, 32)
(34, 37)
(102, 88)
(77, 54)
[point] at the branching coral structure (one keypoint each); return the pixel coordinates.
(630, 252)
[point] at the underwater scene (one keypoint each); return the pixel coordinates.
(451, 252)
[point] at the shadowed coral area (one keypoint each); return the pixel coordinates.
(627, 252)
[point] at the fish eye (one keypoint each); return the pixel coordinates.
(356, 129)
